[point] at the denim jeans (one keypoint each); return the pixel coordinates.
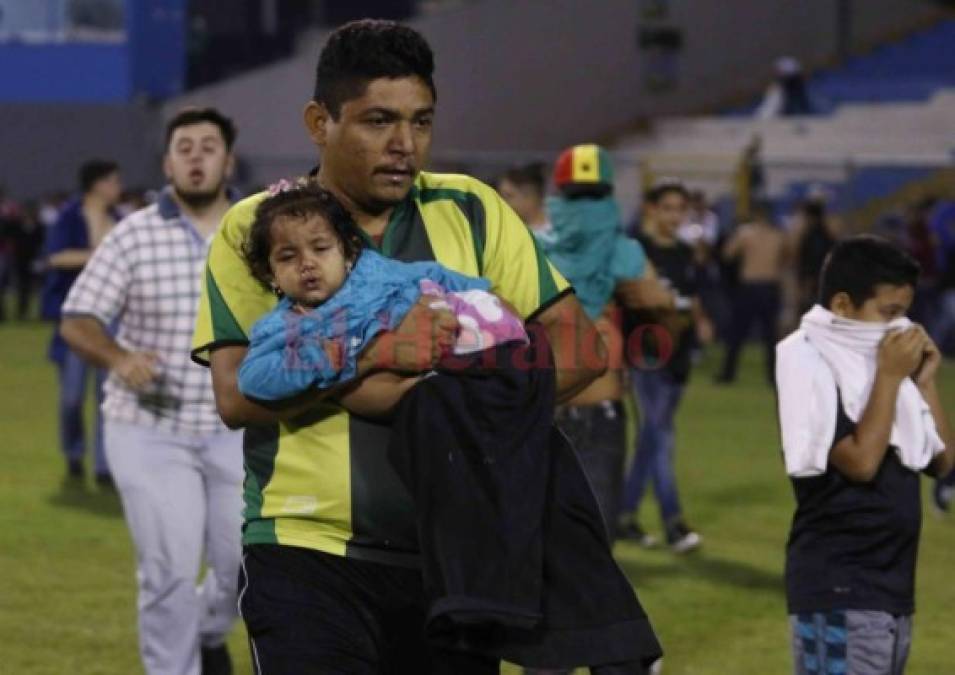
(73, 376)
(658, 396)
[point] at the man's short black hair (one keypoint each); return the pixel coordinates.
(665, 187)
(189, 116)
(858, 264)
(533, 175)
(365, 50)
(93, 171)
(300, 200)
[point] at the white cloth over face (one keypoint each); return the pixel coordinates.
(830, 357)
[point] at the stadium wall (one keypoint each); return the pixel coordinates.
(533, 75)
(44, 144)
(540, 74)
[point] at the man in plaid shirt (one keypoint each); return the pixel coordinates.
(178, 469)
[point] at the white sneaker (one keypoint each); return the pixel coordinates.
(682, 539)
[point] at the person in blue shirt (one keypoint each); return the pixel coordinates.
(81, 225)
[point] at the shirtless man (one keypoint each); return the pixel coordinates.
(760, 247)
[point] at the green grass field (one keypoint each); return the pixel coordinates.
(67, 604)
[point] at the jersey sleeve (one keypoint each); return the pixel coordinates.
(231, 299)
(513, 262)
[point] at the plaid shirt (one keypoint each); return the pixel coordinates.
(145, 275)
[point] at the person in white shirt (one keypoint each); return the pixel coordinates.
(177, 467)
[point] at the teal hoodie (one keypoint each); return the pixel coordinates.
(587, 245)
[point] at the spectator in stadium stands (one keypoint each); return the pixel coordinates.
(523, 188)
(659, 348)
(177, 467)
(331, 577)
(861, 419)
(788, 95)
(760, 248)
(78, 230)
(813, 236)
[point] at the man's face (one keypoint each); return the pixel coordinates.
(197, 162)
(109, 188)
(373, 151)
(889, 303)
(669, 213)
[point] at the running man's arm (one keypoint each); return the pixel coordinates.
(87, 336)
(96, 299)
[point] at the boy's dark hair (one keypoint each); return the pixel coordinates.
(533, 174)
(665, 187)
(93, 171)
(858, 264)
(188, 116)
(365, 50)
(299, 201)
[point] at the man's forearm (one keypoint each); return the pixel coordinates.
(88, 338)
(69, 259)
(377, 394)
(579, 353)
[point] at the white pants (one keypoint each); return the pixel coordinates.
(181, 495)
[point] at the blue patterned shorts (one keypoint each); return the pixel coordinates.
(850, 642)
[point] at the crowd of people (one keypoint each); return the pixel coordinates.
(399, 347)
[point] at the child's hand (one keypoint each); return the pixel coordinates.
(931, 360)
(901, 352)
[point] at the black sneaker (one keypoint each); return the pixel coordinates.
(105, 481)
(74, 469)
(630, 530)
(681, 539)
(216, 661)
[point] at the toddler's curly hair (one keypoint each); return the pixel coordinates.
(297, 200)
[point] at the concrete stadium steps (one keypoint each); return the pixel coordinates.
(861, 152)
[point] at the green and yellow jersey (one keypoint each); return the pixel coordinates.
(323, 480)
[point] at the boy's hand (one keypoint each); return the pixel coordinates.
(931, 360)
(901, 352)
